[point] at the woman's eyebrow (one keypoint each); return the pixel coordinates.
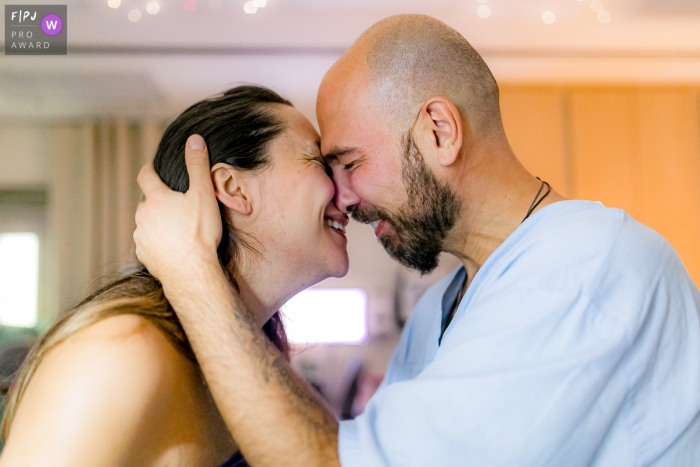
(337, 152)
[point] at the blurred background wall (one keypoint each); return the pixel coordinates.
(599, 98)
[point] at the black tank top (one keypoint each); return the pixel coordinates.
(235, 461)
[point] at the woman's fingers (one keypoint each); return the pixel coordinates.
(197, 160)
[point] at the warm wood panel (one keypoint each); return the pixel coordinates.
(604, 160)
(534, 123)
(633, 148)
(668, 132)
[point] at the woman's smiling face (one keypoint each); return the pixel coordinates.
(297, 221)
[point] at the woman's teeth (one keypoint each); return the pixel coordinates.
(374, 224)
(335, 225)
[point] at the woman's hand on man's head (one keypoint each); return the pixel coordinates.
(176, 232)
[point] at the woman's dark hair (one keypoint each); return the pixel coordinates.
(238, 127)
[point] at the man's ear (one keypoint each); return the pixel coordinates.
(438, 130)
(231, 188)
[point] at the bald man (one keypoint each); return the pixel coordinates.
(569, 336)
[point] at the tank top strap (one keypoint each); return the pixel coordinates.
(235, 461)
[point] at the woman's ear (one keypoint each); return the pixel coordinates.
(438, 130)
(231, 188)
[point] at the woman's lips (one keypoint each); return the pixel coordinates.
(336, 228)
(335, 225)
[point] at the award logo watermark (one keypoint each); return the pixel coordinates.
(36, 29)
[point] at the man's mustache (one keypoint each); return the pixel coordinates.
(367, 215)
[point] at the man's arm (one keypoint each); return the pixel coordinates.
(274, 416)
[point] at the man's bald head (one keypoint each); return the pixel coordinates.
(411, 127)
(405, 60)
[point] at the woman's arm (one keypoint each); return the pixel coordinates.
(92, 398)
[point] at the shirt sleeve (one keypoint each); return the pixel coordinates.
(535, 373)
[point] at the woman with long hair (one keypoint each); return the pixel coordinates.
(114, 381)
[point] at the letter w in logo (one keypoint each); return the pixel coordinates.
(51, 24)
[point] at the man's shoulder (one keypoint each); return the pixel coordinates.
(586, 224)
(591, 259)
(572, 243)
(588, 233)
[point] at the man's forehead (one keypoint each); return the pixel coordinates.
(339, 106)
(349, 128)
(340, 131)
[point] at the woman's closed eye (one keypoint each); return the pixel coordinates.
(324, 164)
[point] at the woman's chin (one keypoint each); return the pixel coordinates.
(340, 273)
(340, 269)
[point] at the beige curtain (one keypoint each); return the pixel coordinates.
(119, 149)
(92, 200)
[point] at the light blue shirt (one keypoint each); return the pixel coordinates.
(576, 344)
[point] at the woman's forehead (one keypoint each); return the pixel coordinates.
(297, 123)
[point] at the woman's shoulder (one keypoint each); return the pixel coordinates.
(125, 354)
(118, 326)
(126, 343)
(96, 390)
(122, 330)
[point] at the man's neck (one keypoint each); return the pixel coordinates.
(495, 198)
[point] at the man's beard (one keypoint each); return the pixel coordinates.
(422, 224)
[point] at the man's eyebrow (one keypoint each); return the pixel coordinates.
(337, 152)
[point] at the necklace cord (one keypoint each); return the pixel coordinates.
(536, 202)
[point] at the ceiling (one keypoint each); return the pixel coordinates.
(163, 62)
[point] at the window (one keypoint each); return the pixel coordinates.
(19, 279)
(326, 316)
(22, 227)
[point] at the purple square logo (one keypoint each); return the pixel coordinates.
(36, 30)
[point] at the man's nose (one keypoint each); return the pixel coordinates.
(345, 199)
